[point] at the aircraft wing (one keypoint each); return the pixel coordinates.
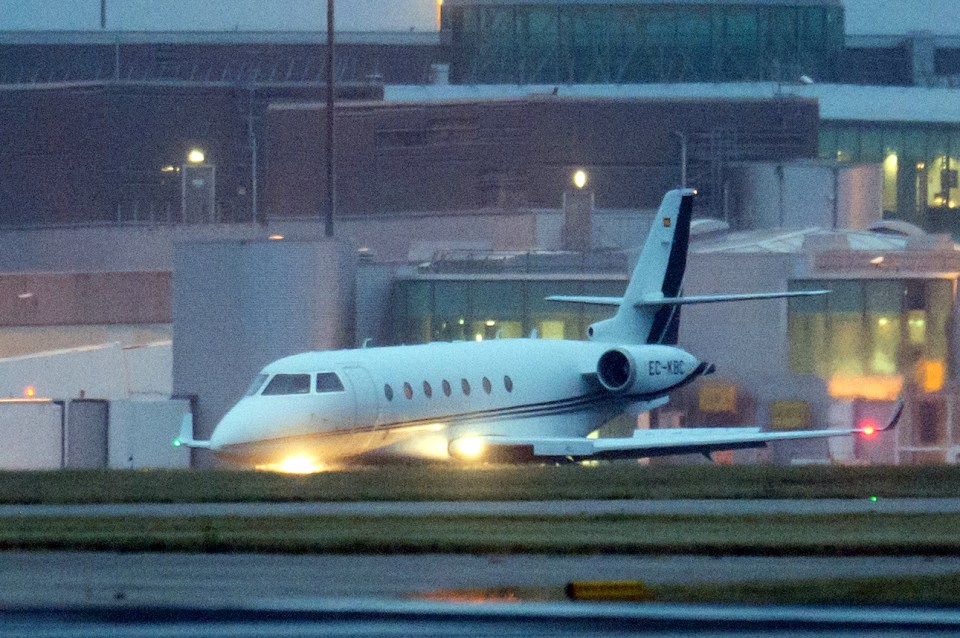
(648, 443)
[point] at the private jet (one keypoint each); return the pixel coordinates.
(502, 400)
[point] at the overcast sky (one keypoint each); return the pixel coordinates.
(863, 16)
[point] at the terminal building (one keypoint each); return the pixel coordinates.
(824, 159)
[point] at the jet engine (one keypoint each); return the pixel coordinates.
(647, 369)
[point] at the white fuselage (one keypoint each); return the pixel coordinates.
(415, 400)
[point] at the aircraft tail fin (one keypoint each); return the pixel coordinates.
(649, 311)
(658, 274)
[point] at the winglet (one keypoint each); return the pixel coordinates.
(895, 417)
(891, 422)
(185, 438)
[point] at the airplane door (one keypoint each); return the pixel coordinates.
(366, 411)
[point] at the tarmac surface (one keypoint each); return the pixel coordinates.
(77, 594)
(80, 578)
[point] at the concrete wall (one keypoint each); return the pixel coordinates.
(32, 436)
(141, 434)
(240, 305)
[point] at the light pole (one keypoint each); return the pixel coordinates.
(331, 193)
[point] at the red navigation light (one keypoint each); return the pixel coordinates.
(869, 427)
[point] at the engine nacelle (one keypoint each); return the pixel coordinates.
(646, 369)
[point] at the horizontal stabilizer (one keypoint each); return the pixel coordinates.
(677, 301)
(596, 301)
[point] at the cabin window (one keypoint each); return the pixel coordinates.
(257, 384)
(508, 383)
(328, 382)
(288, 384)
(465, 386)
(388, 392)
(427, 390)
(407, 391)
(487, 386)
(446, 387)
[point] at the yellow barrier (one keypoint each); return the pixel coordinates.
(612, 590)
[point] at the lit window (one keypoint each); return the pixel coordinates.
(256, 385)
(388, 392)
(487, 387)
(328, 382)
(407, 391)
(508, 383)
(288, 384)
(427, 390)
(465, 386)
(446, 387)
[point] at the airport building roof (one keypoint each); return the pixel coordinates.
(838, 102)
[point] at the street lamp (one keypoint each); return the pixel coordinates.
(196, 156)
(580, 178)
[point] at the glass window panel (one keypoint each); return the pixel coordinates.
(288, 384)
(552, 319)
(256, 385)
(939, 307)
(848, 144)
(829, 142)
(941, 169)
(883, 306)
(497, 309)
(845, 296)
(895, 167)
(845, 304)
(871, 145)
(329, 382)
(807, 329)
(450, 310)
(414, 322)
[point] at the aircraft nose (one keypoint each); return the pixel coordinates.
(229, 431)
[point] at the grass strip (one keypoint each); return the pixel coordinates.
(780, 535)
(425, 483)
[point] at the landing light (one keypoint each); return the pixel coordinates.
(468, 447)
(293, 465)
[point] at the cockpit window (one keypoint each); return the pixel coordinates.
(257, 384)
(288, 384)
(328, 382)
